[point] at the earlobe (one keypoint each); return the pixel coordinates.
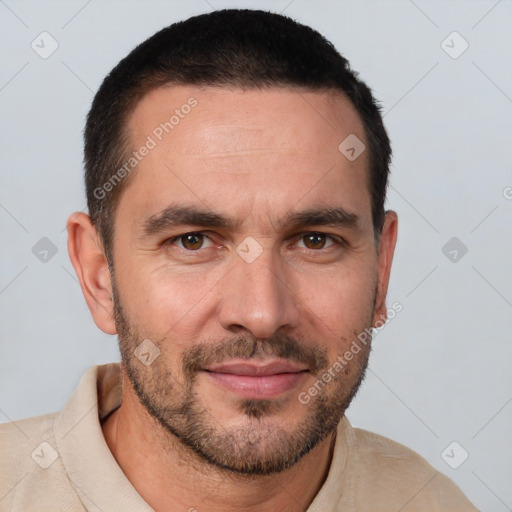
(387, 244)
(91, 266)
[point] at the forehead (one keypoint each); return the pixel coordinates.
(229, 148)
(224, 119)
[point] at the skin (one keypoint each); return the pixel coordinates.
(253, 156)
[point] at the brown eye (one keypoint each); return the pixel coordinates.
(314, 240)
(192, 241)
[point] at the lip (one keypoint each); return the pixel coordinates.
(273, 367)
(255, 380)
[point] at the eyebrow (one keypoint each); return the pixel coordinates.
(175, 215)
(336, 217)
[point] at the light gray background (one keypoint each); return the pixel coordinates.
(440, 370)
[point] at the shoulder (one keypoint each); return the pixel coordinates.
(403, 477)
(28, 426)
(18, 439)
(372, 446)
(30, 467)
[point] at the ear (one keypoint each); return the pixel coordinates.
(386, 250)
(91, 266)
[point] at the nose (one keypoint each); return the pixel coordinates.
(258, 297)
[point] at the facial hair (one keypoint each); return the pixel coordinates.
(261, 445)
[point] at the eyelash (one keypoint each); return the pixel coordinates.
(337, 240)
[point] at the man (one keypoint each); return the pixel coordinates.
(237, 244)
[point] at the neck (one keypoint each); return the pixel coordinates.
(169, 476)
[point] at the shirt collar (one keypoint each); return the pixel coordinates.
(91, 467)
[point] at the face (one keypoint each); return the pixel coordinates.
(244, 256)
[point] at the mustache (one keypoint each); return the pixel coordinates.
(285, 347)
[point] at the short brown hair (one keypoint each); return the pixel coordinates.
(234, 47)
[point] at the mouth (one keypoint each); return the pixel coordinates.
(257, 380)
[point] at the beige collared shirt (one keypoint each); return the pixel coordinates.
(61, 463)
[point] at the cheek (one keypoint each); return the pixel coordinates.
(343, 300)
(177, 302)
(163, 301)
(343, 309)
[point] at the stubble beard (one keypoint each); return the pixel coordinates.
(261, 445)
